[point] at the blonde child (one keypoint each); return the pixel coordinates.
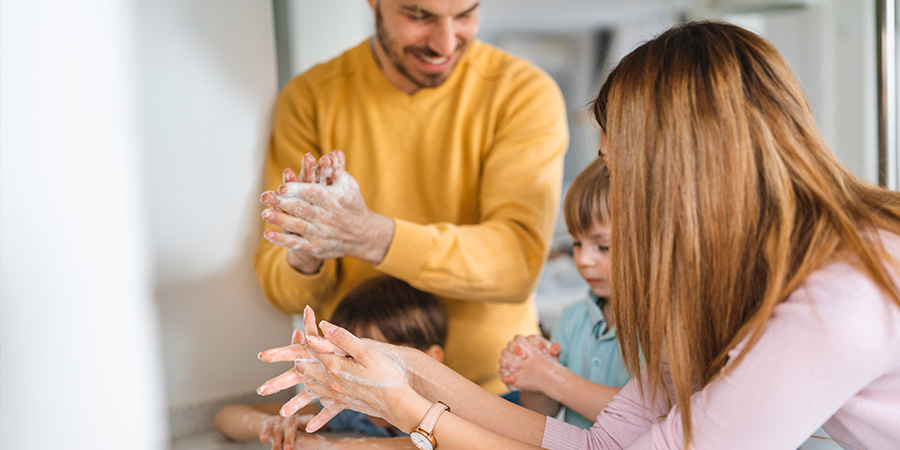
(582, 363)
(383, 309)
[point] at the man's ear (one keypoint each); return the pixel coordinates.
(436, 352)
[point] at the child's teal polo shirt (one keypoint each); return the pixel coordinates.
(589, 349)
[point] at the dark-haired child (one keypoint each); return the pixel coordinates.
(383, 309)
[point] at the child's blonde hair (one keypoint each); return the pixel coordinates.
(587, 201)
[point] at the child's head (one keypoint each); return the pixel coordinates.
(390, 310)
(586, 210)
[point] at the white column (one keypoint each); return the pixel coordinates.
(79, 353)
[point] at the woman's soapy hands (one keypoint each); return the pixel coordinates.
(527, 362)
(340, 370)
(322, 214)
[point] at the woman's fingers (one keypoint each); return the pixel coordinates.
(286, 353)
(297, 338)
(293, 405)
(280, 383)
(344, 340)
(321, 419)
(309, 322)
(321, 345)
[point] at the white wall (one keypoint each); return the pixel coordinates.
(80, 362)
(830, 45)
(315, 32)
(208, 84)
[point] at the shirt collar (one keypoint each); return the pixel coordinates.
(595, 315)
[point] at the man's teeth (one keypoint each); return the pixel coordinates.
(435, 61)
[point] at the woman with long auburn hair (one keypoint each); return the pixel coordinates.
(754, 276)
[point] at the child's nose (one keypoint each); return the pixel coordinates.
(585, 259)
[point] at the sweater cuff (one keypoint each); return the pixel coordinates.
(408, 252)
(561, 435)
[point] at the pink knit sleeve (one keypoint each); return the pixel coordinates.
(832, 338)
(625, 419)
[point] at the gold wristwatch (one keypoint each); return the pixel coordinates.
(423, 436)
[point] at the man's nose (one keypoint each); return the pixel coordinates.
(443, 38)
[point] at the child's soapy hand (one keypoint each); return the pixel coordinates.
(307, 441)
(544, 346)
(528, 363)
(282, 432)
(328, 218)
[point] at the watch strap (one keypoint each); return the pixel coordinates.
(431, 417)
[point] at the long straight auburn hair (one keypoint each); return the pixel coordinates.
(724, 199)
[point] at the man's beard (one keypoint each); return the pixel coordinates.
(386, 43)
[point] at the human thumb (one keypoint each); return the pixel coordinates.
(344, 339)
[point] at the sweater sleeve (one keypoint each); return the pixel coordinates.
(831, 338)
(293, 135)
(500, 257)
(624, 420)
(826, 343)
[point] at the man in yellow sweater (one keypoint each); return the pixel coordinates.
(457, 148)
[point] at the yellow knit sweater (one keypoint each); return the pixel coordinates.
(470, 171)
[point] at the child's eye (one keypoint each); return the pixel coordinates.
(576, 243)
(603, 248)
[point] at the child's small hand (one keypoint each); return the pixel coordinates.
(282, 432)
(530, 364)
(512, 356)
(545, 346)
(306, 441)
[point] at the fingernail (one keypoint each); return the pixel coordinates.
(327, 328)
(268, 198)
(261, 390)
(267, 214)
(259, 356)
(282, 189)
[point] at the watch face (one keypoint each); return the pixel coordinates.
(420, 441)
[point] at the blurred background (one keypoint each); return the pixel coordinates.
(132, 138)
